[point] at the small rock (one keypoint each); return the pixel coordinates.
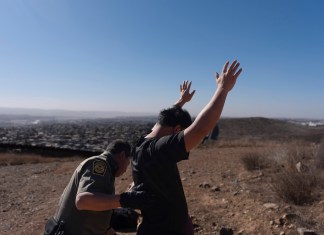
(196, 227)
(215, 189)
(204, 185)
(290, 216)
(287, 208)
(224, 201)
(303, 231)
(301, 167)
(236, 193)
(270, 205)
(280, 221)
(240, 232)
(226, 231)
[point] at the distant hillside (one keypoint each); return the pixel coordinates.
(91, 134)
(264, 128)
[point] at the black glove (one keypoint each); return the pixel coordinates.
(124, 220)
(137, 198)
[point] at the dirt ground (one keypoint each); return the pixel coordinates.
(220, 193)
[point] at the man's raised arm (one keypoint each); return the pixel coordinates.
(185, 94)
(210, 114)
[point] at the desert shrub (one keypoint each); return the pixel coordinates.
(291, 153)
(240, 142)
(298, 153)
(319, 156)
(254, 161)
(20, 159)
(12, 159)
(293, 186)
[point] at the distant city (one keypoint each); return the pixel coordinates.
(81, 131)
(78, 134)
(305, 122)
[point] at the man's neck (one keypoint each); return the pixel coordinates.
(159, 131)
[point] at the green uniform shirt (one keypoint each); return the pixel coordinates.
(95, 175)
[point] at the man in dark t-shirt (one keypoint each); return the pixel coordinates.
(155, 165)
(156, 155)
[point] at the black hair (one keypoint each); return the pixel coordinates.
(173, 116)
(118, 146)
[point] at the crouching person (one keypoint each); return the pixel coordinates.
(87, 202)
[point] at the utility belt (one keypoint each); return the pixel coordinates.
(54, 227)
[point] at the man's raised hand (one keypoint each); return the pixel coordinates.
(227, 79)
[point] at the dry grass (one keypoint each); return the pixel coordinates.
(7, 159)
(254, 161)
(295, 187)
(319, 156)
(245, 141)
(293, 184)
(297, 166)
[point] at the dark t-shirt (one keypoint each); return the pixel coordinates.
(155, 164)
(96, 175)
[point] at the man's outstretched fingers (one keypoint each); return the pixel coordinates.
(238, 73)
(236, 67)
(232, 65)
(225, 67)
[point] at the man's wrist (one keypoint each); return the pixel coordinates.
(222, 91)
(179, 103)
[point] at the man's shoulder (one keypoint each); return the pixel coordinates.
(97, 166)
(91, 159)
(91, 162)
(174, 139)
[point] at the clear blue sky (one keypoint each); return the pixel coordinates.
(131, 56)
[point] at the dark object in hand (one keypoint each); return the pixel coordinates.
(124, 220)
(137, 198)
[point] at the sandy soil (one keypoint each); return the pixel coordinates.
(220, 193)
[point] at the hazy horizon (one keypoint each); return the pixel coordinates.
(131, 56)
(110, 114)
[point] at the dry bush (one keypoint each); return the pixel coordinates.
(7, 159)
(246, 141)
(294, 186)
(290, 153)
(291, 184)
(14, 159)
(319, 156)
(254, 161)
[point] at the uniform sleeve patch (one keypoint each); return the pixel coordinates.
(99, 168)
